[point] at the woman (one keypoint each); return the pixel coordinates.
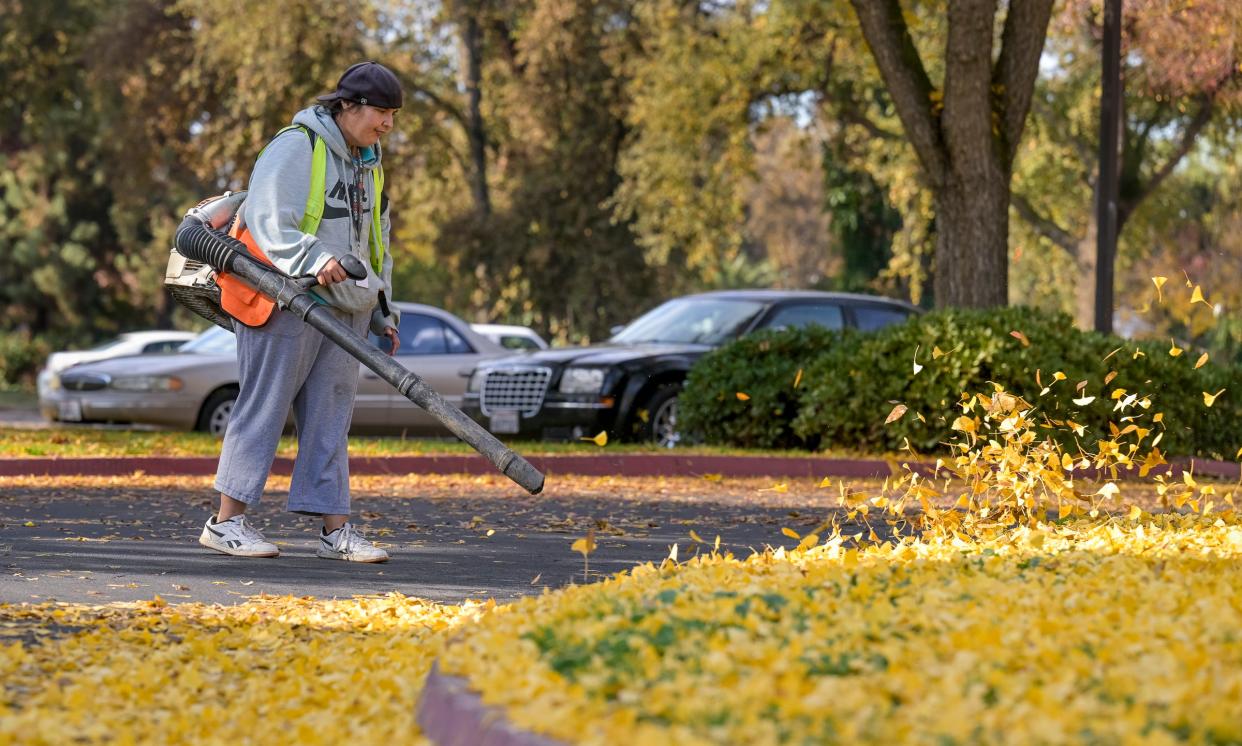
(285, 362)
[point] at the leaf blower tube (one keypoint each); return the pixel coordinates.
(198, 241)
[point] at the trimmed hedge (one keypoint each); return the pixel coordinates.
(763, 366)
(20, 358)
(851, 382)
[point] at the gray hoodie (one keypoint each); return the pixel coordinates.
(276, 201)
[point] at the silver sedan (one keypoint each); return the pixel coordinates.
(195, 387)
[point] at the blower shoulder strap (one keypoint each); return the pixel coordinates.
(313, 214)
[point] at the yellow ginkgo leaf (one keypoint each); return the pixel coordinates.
(644, 415)
(742, 397)
(1058, 376)
(1020, 337)
(1084, 401)
(585, 545)
(696, 537)
(716, 544)
(1202, 361)
(1159, 281)
(808, 541)
(1136, 513)
(1174, 351)
(791, 533)
(1197, 297)
(1110, 489)
(917, 367)
(1238, 454)
(600, 440)
(672, 552)
(896, 414)
(921, 417)
(781, 487)
(1210, 399)
(825, 482)
(798, 378)
(937, 353)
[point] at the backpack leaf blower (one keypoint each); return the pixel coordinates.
(199, 241)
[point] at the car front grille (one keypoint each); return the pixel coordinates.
(522, 389)
(84, 381)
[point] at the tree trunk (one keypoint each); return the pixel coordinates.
(472, 65)
(972, 242)
(1087, 255)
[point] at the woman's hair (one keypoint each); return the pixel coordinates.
(336, 105)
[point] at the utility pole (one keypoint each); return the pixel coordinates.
(1107, 185)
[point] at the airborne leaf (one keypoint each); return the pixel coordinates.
(1159, 281)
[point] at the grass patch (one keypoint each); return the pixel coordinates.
(71, 442)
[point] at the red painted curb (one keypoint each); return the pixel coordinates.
(450, 714)
(635, 465)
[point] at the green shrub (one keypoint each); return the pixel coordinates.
(853, 383)
(763, 366)
(20, 358)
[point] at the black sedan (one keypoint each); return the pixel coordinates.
(628, 386)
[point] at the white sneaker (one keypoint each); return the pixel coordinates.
(347, 544)
(236, 537)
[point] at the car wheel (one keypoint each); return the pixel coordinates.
(661, 425)
(214, 417)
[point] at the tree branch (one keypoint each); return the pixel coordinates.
(1022, 43)
(851, 114)
(1042, 225)
(1200, 120)
(906, 79)
(436, 100)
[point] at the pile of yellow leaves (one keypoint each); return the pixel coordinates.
(1108, 630)
(273, 670)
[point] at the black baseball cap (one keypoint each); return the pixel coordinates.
(367, 83)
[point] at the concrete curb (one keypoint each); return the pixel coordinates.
(450, 714)
(633, 465)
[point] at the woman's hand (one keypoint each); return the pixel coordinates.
(394, 338)
(331, 272)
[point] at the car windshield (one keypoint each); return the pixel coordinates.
(110, 344)
(215, 341)
(707, 321)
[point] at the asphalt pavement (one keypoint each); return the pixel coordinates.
(122, 543)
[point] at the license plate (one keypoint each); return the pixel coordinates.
(70, 411)
(504, 421)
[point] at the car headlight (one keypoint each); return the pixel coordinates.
(476, 381)
(147, 383)
(582, 381)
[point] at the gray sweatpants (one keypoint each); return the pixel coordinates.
(287, 362)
